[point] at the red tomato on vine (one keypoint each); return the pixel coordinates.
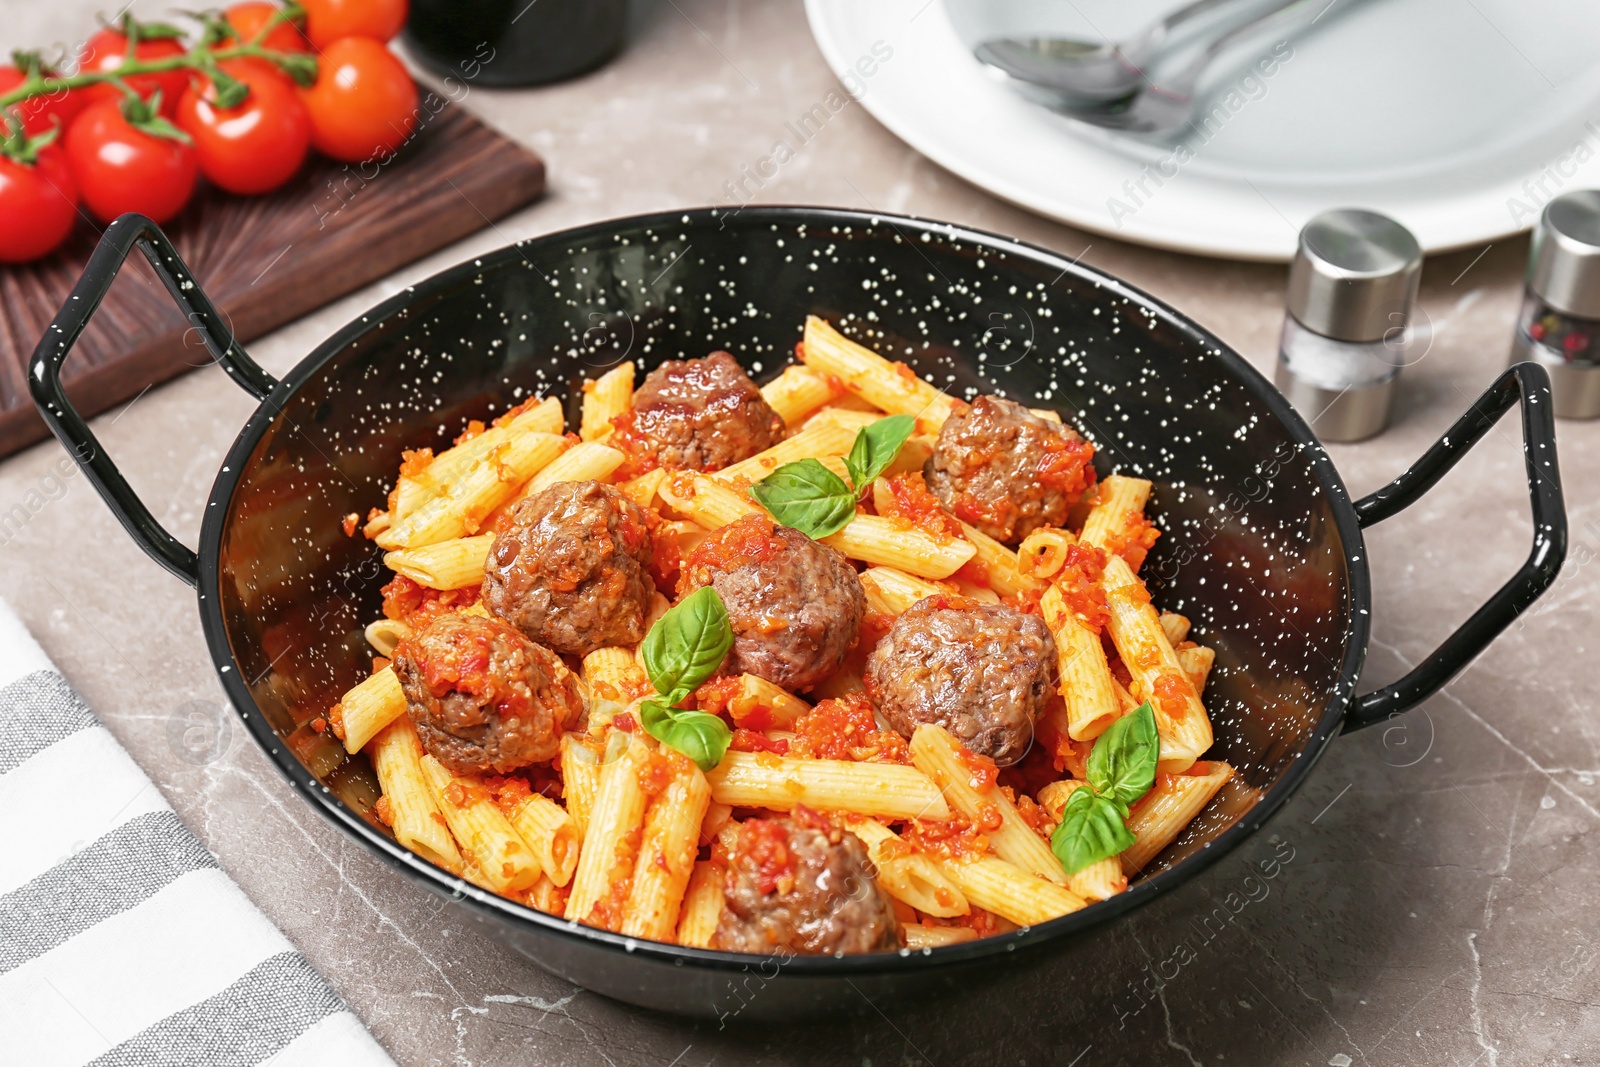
(329, 20)
(255, 145)
(40, 113)
(250, 18)
(127, 158)
(108, 50)
(38, 204)
(363, 104)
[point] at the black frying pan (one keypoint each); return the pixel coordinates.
(284, 594)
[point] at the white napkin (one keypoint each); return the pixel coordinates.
(121, 940)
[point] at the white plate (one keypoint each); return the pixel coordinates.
(1460, 118)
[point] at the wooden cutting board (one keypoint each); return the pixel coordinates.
(263, 260)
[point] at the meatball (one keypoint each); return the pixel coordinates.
(795, 605)
(803, 885)
(485, 699)
(982, 671)
(701, 415)
(571, 569)
(1005, 470)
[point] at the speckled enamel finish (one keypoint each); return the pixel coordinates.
(1260, 546)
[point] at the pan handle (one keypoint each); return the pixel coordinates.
(44, 373)
(1526, 384)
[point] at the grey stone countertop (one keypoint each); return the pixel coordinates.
(1436, 908)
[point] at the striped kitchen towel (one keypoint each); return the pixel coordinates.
(121, 940)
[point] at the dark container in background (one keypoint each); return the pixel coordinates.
(515, 42)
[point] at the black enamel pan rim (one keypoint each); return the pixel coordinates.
(494, 907)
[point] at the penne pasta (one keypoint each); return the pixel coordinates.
(1118, 503)
(384, 634)
(609, 842)
(491, 849)
(907, 875)
(369, 707)
(872, 539)
(1172, 803)
(979, 799)
(411, 491)
(642, 490)
(413, 814)
(605, 398)
(990, 883)
(580, 778)
(667, 852)
(550, 832)
(1197, 661)
(1158, 677)
(798, 392)
(886, 790)
(1088, 696)
(706, 501)
(890, 386)
(920, 936)
(583, 462)
(702, 907)
(892, 592)
(461, 505)
(814, 442)
(868, 538)
(998, 565)
(613, 679)
(852, 418)
(767, 706)
(454, 564)
(1043, 552)
(1175, 626)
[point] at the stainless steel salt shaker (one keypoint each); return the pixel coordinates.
(1560, 321)
(1351, 290)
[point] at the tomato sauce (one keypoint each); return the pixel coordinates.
(1172, 691)
(627, 437)
(414, 461)
(1079, 582)
(954, 839)
(406, 601)
(982, 773)
(763, 853)
(909, 501)
(845, 728)
(1134, 541)
(750, 741)
(738, 544)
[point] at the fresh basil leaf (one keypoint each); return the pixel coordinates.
(875, 448)
(1091, 830)
(1122, 764)
(701, 736)
(808, 497)
(687, 645)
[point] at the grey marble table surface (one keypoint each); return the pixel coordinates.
(1437, 906)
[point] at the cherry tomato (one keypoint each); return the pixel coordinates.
(121, 168)
(364, 102)
(106, 50)
(38, 203)
(39, 113)
(329, 20)
(248, 19)
(253, 147)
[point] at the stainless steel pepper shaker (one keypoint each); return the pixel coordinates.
(1560, 321)
(1351, 290)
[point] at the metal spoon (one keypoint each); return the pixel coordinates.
(1090, 70)
(1162, 108)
